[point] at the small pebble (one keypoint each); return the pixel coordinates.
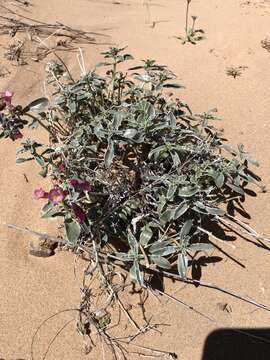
(36, 250)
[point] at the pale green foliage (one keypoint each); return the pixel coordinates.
(158, 173)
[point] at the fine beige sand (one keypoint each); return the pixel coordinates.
(33, 289)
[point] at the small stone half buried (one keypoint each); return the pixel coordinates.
(42, 248)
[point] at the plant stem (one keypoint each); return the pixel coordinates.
(187, 11)
(39, 121)
(193, 25)
(113, 79)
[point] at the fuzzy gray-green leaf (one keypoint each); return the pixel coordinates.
(73, 230)
(188, 191)
(186, 228)
(201, 247)
(37, 105)
(136, 274)
(219, 180)
(146, 235)
(167, 216)
(161, 261)
(109, 154)
(182, 263)
(180, 210)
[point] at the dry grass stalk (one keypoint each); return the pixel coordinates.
(66, 37)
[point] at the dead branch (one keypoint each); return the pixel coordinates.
(44, 236)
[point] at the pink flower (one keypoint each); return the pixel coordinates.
(7, 96)
(62, 167)
(56, 195)
(80, 185)
(85, 186)
(74, 182)
(16, 135)
(40, 194)
(79, 213)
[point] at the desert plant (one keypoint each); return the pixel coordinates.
(265, 43)
(192, 34)
(138, 179)
(129, 165)
(235, 71)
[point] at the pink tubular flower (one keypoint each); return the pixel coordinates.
(85, 186)
(40, 194)
(79, 213)
(74, 182)
(16, 135)
(80, 185)
(56, 195)
(62, 167)
(7, 96)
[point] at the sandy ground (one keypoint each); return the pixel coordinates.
(33, 289)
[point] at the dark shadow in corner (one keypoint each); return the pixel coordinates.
(238, 344)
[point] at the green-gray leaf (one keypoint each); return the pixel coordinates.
(253, 162)
(37, 105)
(171, 191)
(133, 242)
(51, 213)
(186, 229)
(180, 210)
(73, 230)
(130, 133)
(167, 215)
(159, 245)
(236, 189)
(161, 261)
(146, 235)
(123, 256)
(40, 160)
(219, 180)
(188, 191)
(176, 159)
(200, 247)
(182, 263)
(136, 274)
(109, 154)
(168, 250)
(215, 211)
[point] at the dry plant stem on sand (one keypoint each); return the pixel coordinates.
(100, 256)
(67, 37)
(11, 26)
(17, 23)
(86, 314)
(187, 14)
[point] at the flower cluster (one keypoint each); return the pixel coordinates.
(16, 134)
(9, 120)
(78, 212)
(80, 185)
(6, 97)
(57, 195)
